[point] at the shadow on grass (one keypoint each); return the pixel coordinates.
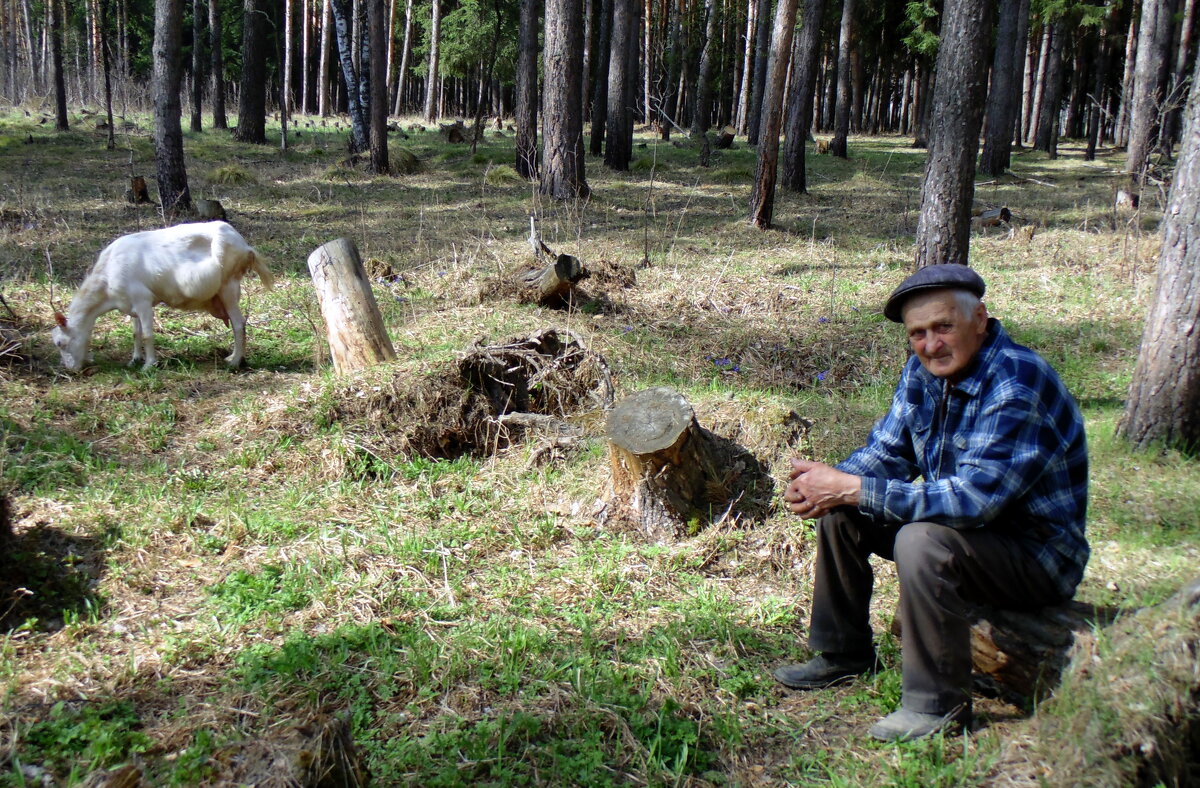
(47, 577)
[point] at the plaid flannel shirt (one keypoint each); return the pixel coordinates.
(1004, 448)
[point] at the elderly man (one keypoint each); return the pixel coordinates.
(974, 484)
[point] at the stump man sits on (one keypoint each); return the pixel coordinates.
(974, 483)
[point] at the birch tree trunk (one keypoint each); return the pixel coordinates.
(841, 120)
(431, 77)
(216, 50)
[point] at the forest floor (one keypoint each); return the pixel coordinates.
(216, 564)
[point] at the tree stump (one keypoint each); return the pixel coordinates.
(554, 283)
(1020, 656)
(454, 132)
(138, 193)
(210, 209)
(725, 140)
(664, 464)
(357, 337)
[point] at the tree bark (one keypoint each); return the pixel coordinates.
(800, 108)
(618, 132)
(762, 197)
(378, 24)
(944, 226)
(197, 64)
(1121, 134)
(405, 51)
(527, 92)
(1004, 96)
(168, 134)
(323, 97)
(563, 175)
(1164, 400)
(702, 110)
(1100, 80)
(602, 58)
(841, 119)
(357, 337)
(56, 54)
(354, 103)
(762, 51)
(252, 103)
(431, 76)
(663, 463)
(217, 53)
(1046, 135)
(1154, 41)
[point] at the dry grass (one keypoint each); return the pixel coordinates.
(249, 551)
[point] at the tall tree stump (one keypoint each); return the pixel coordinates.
(725, 138)
(354, 325)
(664, 464)
(1020, 656)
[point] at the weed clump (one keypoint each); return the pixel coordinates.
(501, 175)
(232, 175)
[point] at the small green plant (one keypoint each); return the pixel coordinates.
(78, 738)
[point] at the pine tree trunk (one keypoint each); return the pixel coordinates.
(762, 47)
(563, 175)
(1046, 136)
(216, 50)
(602, 58)
(762, 196)
(1164, 400)
(1100, 72)
(351, 78)
(800, 108)
(618, 147)
(944, 226)
(741, 120)
(56, 53)
(702, 111)
(197, 64)
(252, 101)
(431, 76)
(323, 92)
(405, 51)
(378, 24)
(1039, 84)
(841, 119)
(1154, 41)
(1004, 95)
(527, 92)
(1121, 134)
(168, 134)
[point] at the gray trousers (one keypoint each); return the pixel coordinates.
(943, 571)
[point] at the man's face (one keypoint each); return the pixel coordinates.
(944, 339)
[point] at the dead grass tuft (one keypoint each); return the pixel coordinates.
(231, 175)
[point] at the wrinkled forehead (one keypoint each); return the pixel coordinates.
(930, 303)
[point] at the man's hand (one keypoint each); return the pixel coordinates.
(816, 488)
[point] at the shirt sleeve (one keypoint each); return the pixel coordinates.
(1005, 453)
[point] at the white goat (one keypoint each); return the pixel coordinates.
(194, 267)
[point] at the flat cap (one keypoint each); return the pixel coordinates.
(933, 277)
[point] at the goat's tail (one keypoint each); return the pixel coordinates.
(259, 267)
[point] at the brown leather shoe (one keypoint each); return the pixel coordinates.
(827, 670)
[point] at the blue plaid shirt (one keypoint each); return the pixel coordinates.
(1004, 448)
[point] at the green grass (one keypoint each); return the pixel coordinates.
(219, 552)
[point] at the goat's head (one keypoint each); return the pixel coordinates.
(70, 345)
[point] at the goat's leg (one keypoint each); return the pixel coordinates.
(137, 340)
(143, 329)
(231, 293)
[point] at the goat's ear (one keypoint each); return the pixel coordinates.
(61, 319)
